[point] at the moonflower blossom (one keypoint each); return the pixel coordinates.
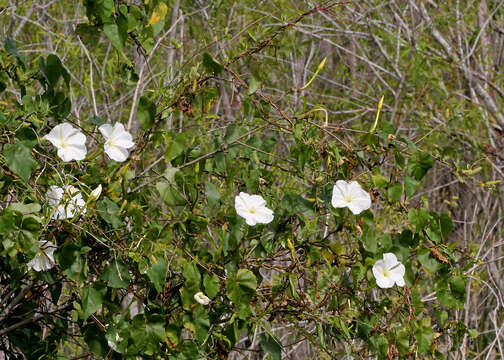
(69, 141)
(351, 195)
(388, 271)
(201, 298)
(65, 202)
(117, 141)
(44, 260)
(253, 209)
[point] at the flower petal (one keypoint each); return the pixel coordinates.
(390, 260)
(397, 274)
(44, 260)
(249, 219)
(124, 143)
(384, 282)
(73, 152)
(264, 216)
(118, 128)
(106, 130)
(257, 201)
(359, 205)
(77, 139)
(117, 153)
(338, 200)
(54, 195)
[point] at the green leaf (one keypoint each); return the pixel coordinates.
(157, 274)
(395, 191)
(458, 287)
(11, 49)
(418, 218)
(102, 9)
(109, 211)
(148, 332)
(92, 298)
(427, 261)
(241, 287)
(403, 341)
(7, 222)
(170, 194)
(446, 225)
(25, 208)
(410, 185)
(407, 238)
(96, 120)
(116, 274)
(95, 340)
(424, 336)
(146, 113)
(72, 262)
(199, 323)
(118, 333)
(255, 84)
(379, 180)
(272, 346)
(19, 159)
(294, 203)
(53, 69)
(211, 65)
(89, 34)
(419, 164)
(381, 344)
(369, 239)
(211, 193)
(192, 276)
(174, 147)
(473, 333)
(211, 284)
(116, 35)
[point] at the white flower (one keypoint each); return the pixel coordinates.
(388, 271)
(44, 260)
(351, 195)
(117, 141)
(69, 141)
(201, 298)
(95, 194)
(253, 209)
(65, 203)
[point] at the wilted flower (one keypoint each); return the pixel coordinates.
(65, 202)
(118, 141)
(351, 195)
(389, 271)
(44, 260)
(69, 141)
(253, 209)
(201, 298)
(95, 194)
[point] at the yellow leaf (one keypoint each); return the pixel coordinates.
(158, 13)
(154, 18)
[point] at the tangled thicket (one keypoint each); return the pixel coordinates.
(276, 98)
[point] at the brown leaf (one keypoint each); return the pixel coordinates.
(438, 255)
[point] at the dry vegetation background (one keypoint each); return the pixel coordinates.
(438, 63)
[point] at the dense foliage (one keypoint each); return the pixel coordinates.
(110, 249)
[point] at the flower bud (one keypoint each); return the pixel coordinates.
(95, 194)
